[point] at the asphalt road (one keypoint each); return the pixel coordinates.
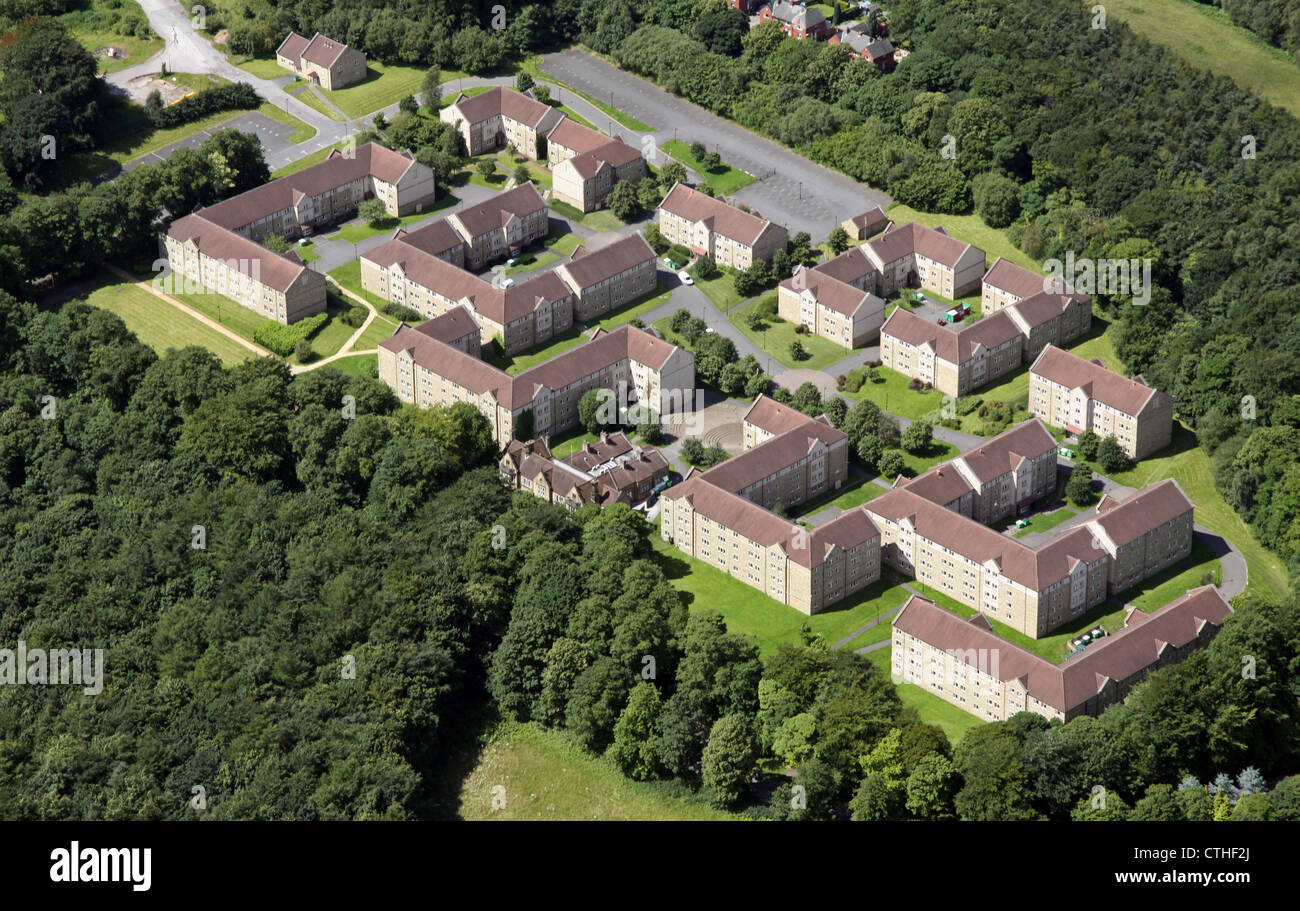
(791, 190)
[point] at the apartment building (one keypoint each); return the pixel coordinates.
(954, 361)
(830, 308)
(970, 666)
(500, 117)
(913, 255)
(612, 470)
(609, 276)
(997, 479)
(768, 418)
(1033, 590)
(331, 64)
(787, 469)
(638, 367)
(423, 270)
(1068, 391)
(1044, 315)
(710, 227)
(585, 179)
(502, 225)
(797, 21)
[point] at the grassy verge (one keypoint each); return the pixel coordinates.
(531, 67)
(1205, 37)
(776, 339)
(262, 68)
(892, 394)
(307, 95)
(355, 365)
(526, 772)
(633, 309)
(721, 289)
(160, 325)
(856, 495)
(725, 179)
(307, 160)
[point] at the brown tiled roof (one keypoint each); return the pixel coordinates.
(953, 346)
(932, 243)
(723, 219)
(272, 269)
(1008, 449)
(463, 369)
(1017, 280)
(496, 212)
(589, 267)
(435, 238)
(1126, 520)
(768, 414)
(1037, 309)
(335, 171)
(615, 152)
(850, 266)
(323, 51)
(734, 512)
(833, 293)
(451, 326)
(1059, 366)
(849, 529)
(942, 484)
(772, 455)
(292, 47)
(870, 219)
(498, 100)
(572, 135)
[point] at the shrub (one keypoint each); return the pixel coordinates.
(354, 316)
(235, 96)
(853, 382)
(303, 351)
(282, 339)
(404, 313)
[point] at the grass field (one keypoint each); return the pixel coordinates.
(308, 160)
(854, 496)
(160, 325)
(778, 336)
(357, 230)
(380, 328)
(890, 392)
(721, 289)
(633, 309)
(526, 772)
(931, 708)
(937, 452)
(725, 180)
(96, 27)
(306, 93)
(1205, 37)
(355, 365)
(383, 85)
(769, 622)
(244, 322)
(261, 67)
(569, 442)
(538, 173)
(1044, 521)
(518, 363)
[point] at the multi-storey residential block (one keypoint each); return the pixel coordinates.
(500, 117)
(638, 367)
(912, 255)
(1044, 315)
(422, 270)
(768, 418)
(1032, 590)
(584, 180)
(501, 226)
(1067, 391)
(954, 361)
(610, 276)
(789, 468)
(710, 227)
(967, 664)
(830, 308)
(330, 63)
(612, 470)
(216, 245)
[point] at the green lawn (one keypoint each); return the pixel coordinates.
(633, 309)
(844, 499)
(244, 322)
(93, 32)
(357, 230)
(769, 622)
(1205, 37)
(569, 442)
(721, 289)
(919, 462)
(562, 242)
(1047, 520)
(725, 180)
(355, 365)
(160, 325)
(380, 328)
(528, 262)
(262, 68)
(890, 392)
(383, 85)
(516, 364)
(306, 93)
(527, 772)
(539, 173)
(1164, 587)
(778, 336)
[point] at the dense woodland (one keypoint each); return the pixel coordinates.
(1275, 21)
(381, 538)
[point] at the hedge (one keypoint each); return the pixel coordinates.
(281, 339)
(236, 95)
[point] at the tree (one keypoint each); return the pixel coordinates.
(692, 451)
(654, 237)
(597, 409)
(431, 88)
(997, 199)
(596, 701)
(882, 794)
(408, 105)
(633, 749)
(836, 411)
(729, 759)
(1078, 489)
(793, 742)
(373, 212)
(1111, 456)
(302, 350)
(622, 201)
(704, 269)
(524, 82)
(672, 173)
(697, 150)
(798, 352)
(891, 464)
(931, 787)
(994, 782)
(1086, 448)
(1159, 804)
(521, 175)
(486, 168)
(838, 240)
(918, 437)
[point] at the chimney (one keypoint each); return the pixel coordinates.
(604, 437)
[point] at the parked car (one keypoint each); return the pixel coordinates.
(685, 277)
